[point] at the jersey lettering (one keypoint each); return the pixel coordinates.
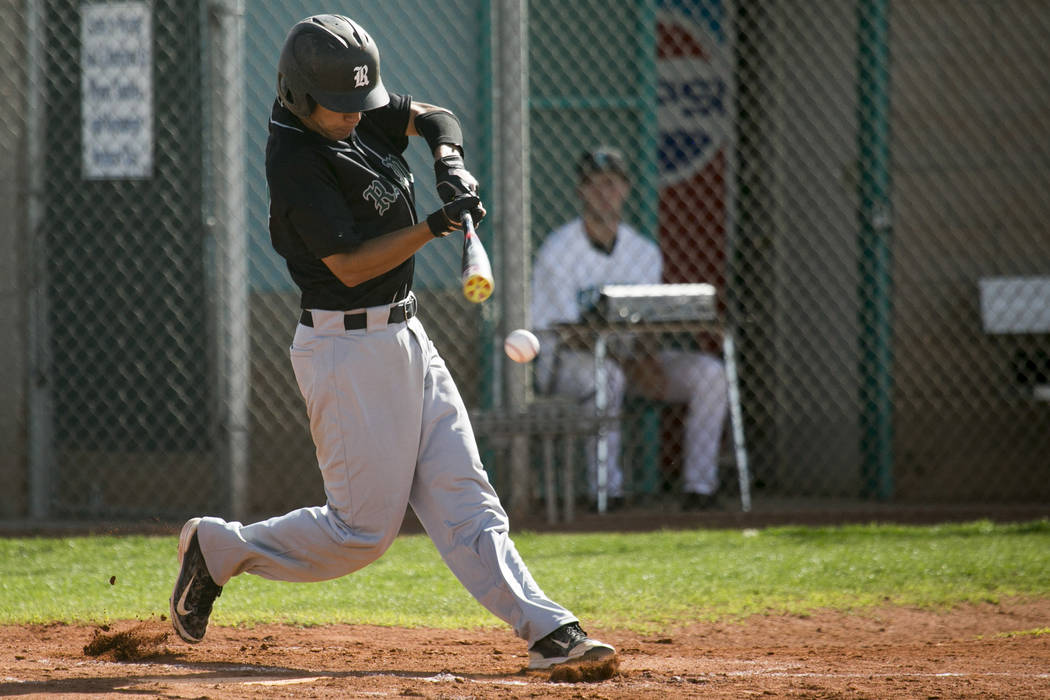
(381, 194)
(360, 76)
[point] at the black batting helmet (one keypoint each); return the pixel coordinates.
(332, 61)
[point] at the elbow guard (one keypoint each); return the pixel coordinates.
(440, 127)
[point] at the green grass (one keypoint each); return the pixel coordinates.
(1037, 632)
(637, 581)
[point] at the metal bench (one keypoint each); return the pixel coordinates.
(1018, 306)
(548, 419)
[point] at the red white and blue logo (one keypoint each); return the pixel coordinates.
(695, 114)
(695, 85)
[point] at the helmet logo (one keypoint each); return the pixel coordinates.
(360, 76)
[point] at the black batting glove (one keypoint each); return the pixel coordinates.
(453, 178)
(448, 218)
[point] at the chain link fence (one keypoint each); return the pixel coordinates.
(862, 183)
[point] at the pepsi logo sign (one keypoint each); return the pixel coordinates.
(694, 92)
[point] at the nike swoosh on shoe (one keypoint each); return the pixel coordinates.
(180, 607)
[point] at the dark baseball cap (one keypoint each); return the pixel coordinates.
(602, 160)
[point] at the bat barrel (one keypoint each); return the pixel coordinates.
(476, 271)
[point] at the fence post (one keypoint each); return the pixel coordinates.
(226, 19)
(41, 453)
(514, 214)
(874, 250)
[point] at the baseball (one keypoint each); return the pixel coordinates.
(521, 345)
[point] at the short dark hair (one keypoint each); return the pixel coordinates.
(602, 160)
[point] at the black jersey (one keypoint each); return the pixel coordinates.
(327, 197)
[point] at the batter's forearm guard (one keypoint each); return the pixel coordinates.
(440, 127)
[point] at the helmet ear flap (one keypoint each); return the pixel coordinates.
(285, 93)
(301, 106)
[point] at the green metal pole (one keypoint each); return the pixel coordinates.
(875, 250)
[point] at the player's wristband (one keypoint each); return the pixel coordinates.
(447, 219)
(439, 224)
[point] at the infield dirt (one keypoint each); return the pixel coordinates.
(981, 651)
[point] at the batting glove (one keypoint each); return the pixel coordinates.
(453, 178)
(448, 218)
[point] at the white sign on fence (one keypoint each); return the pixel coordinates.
(1015, 304)
(116, 80)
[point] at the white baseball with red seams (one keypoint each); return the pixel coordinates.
(521, 345)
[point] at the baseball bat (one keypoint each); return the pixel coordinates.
(475, 270)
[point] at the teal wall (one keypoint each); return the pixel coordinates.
(585, 93)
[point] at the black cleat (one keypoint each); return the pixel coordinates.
(195, 590)
(565, 645)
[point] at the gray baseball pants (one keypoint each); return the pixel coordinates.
(390, 430)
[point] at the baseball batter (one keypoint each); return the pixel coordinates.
(387, 420)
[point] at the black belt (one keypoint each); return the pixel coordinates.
(359, 321)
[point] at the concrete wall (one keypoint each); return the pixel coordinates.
(816, 240)
(971, 106)
(798, 222)
(970, 163)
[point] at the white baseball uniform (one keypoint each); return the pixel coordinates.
(568, 264)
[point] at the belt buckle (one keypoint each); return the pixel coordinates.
(410, 306)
